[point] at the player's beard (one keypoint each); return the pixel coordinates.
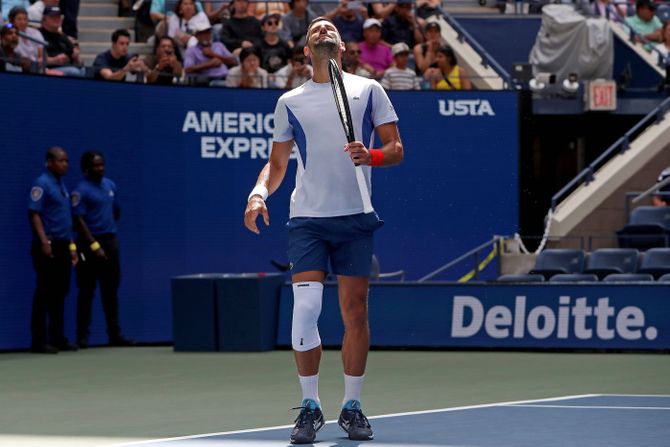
(326, 48)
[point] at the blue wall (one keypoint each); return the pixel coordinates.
(182, 212)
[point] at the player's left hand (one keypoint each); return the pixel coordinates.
(358, 153)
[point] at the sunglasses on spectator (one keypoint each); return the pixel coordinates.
(272, 22)
(354, 51)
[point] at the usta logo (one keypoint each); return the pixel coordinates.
(465, 107)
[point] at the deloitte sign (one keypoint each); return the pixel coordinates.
(570, 319)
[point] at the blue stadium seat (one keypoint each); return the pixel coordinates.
(656, 261)
(663, 12)
(648, 227)
(628, 277)
(664, 278)
(605, 261)
(574, 277)
(522, 277)
(558, 260)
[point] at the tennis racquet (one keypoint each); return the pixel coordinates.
(342, 103)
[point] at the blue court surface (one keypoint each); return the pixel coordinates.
(584, 420)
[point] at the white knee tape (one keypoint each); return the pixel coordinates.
(307, 297)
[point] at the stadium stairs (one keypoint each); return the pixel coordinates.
(597, 209)
(98, 19)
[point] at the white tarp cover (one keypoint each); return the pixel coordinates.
(570, 43)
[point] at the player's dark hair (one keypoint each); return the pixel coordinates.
(87, 160)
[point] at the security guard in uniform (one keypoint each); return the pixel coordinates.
(53, 254)
(96, 209)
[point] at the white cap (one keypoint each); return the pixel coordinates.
(202, 25)
(400, 47)
(371, 22)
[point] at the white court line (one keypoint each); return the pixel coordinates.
(410, 413)
(635, 395)
(590, 407)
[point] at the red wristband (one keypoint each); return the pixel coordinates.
(377, 157)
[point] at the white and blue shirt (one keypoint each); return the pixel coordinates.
(96, 202)
(325, 184)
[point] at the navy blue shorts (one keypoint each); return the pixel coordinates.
(345, 241)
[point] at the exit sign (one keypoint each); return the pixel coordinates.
(601, 95)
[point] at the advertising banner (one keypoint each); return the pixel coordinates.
(184, 160)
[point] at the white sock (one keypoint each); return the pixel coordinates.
(310, 387)
(352, 388)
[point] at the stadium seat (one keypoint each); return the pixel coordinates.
(558, 260)
(628, 277)
(605, 261)
(663, 12)
(656, 261)
(522, 277)
(648, 227)
(664, 278)
(574, 277)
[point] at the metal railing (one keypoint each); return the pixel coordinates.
(475, 254)
(619, 147)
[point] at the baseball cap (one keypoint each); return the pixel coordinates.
(270, 17)
(645, 4)
(52, 11)
(201, 25)
(662, 176)
(400, 47)
(371, 22)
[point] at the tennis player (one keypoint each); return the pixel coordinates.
(327, 220)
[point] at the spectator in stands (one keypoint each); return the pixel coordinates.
(7, 6)
(115, 64)
(241, 30)
(644, 22)
(160, 15)
(294, 23)
(402, 25)
(425, 54)
(36, 10)
(663, 199)
(351, 61)
(216, 11)
(207, 62)
(10, 60)
(260, 9)
(349, 17)
(448, 75)
(70, 10)
(296, 72)
(427, 8)
(183, 21)
(248, 74)
(380, 10)
(275, 52)
(165, 64)
(373, 51)
(608, 9)
(400, 77)
(27, 48)
(62, 53)
(664, 45)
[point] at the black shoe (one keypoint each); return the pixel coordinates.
(43, 349)
(353, 421)
(121, 341)
(309, 421)
(67, 346)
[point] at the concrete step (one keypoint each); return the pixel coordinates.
(95, 48)
(106, 22)
(100, 35)
(98, 10)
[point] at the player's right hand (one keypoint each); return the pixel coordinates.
(255, 206)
